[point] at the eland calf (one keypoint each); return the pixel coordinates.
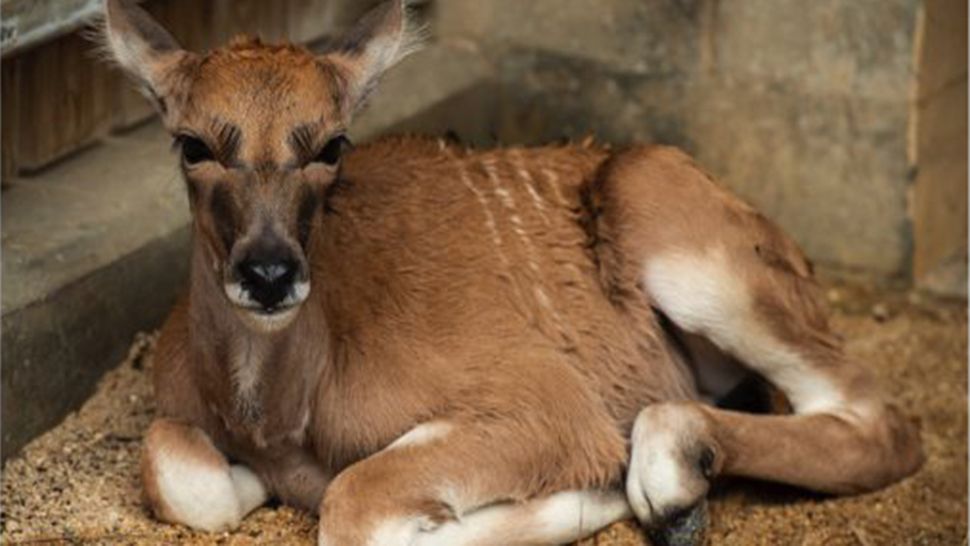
(433, 345)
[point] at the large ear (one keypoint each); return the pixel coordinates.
(379, 41)
(145, 50)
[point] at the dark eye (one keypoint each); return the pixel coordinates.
(332, 150)
(194, 150)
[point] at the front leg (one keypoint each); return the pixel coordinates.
(463, 483)
(188, 481)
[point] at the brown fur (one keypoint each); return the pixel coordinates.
(498, 292)
(426, 321)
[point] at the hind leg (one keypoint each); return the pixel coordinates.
(843, 437)
(719, 270)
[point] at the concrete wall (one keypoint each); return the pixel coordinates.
(803, 108)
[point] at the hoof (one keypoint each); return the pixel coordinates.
(686, 529)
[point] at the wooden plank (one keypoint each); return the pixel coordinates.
(190, 21)
(939, 197)
(66, 103)
(264, 19)
(130, 107)
(8, 120)
(308, 20)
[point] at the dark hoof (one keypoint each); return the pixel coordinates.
(685, 529)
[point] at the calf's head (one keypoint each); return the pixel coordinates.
(260, 130)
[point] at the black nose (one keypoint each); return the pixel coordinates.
(267, 281)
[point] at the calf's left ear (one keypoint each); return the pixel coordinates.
(145, 50)
(379, 41)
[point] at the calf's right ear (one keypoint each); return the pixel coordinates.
(146, 51)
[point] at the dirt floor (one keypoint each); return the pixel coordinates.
(78, 483)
